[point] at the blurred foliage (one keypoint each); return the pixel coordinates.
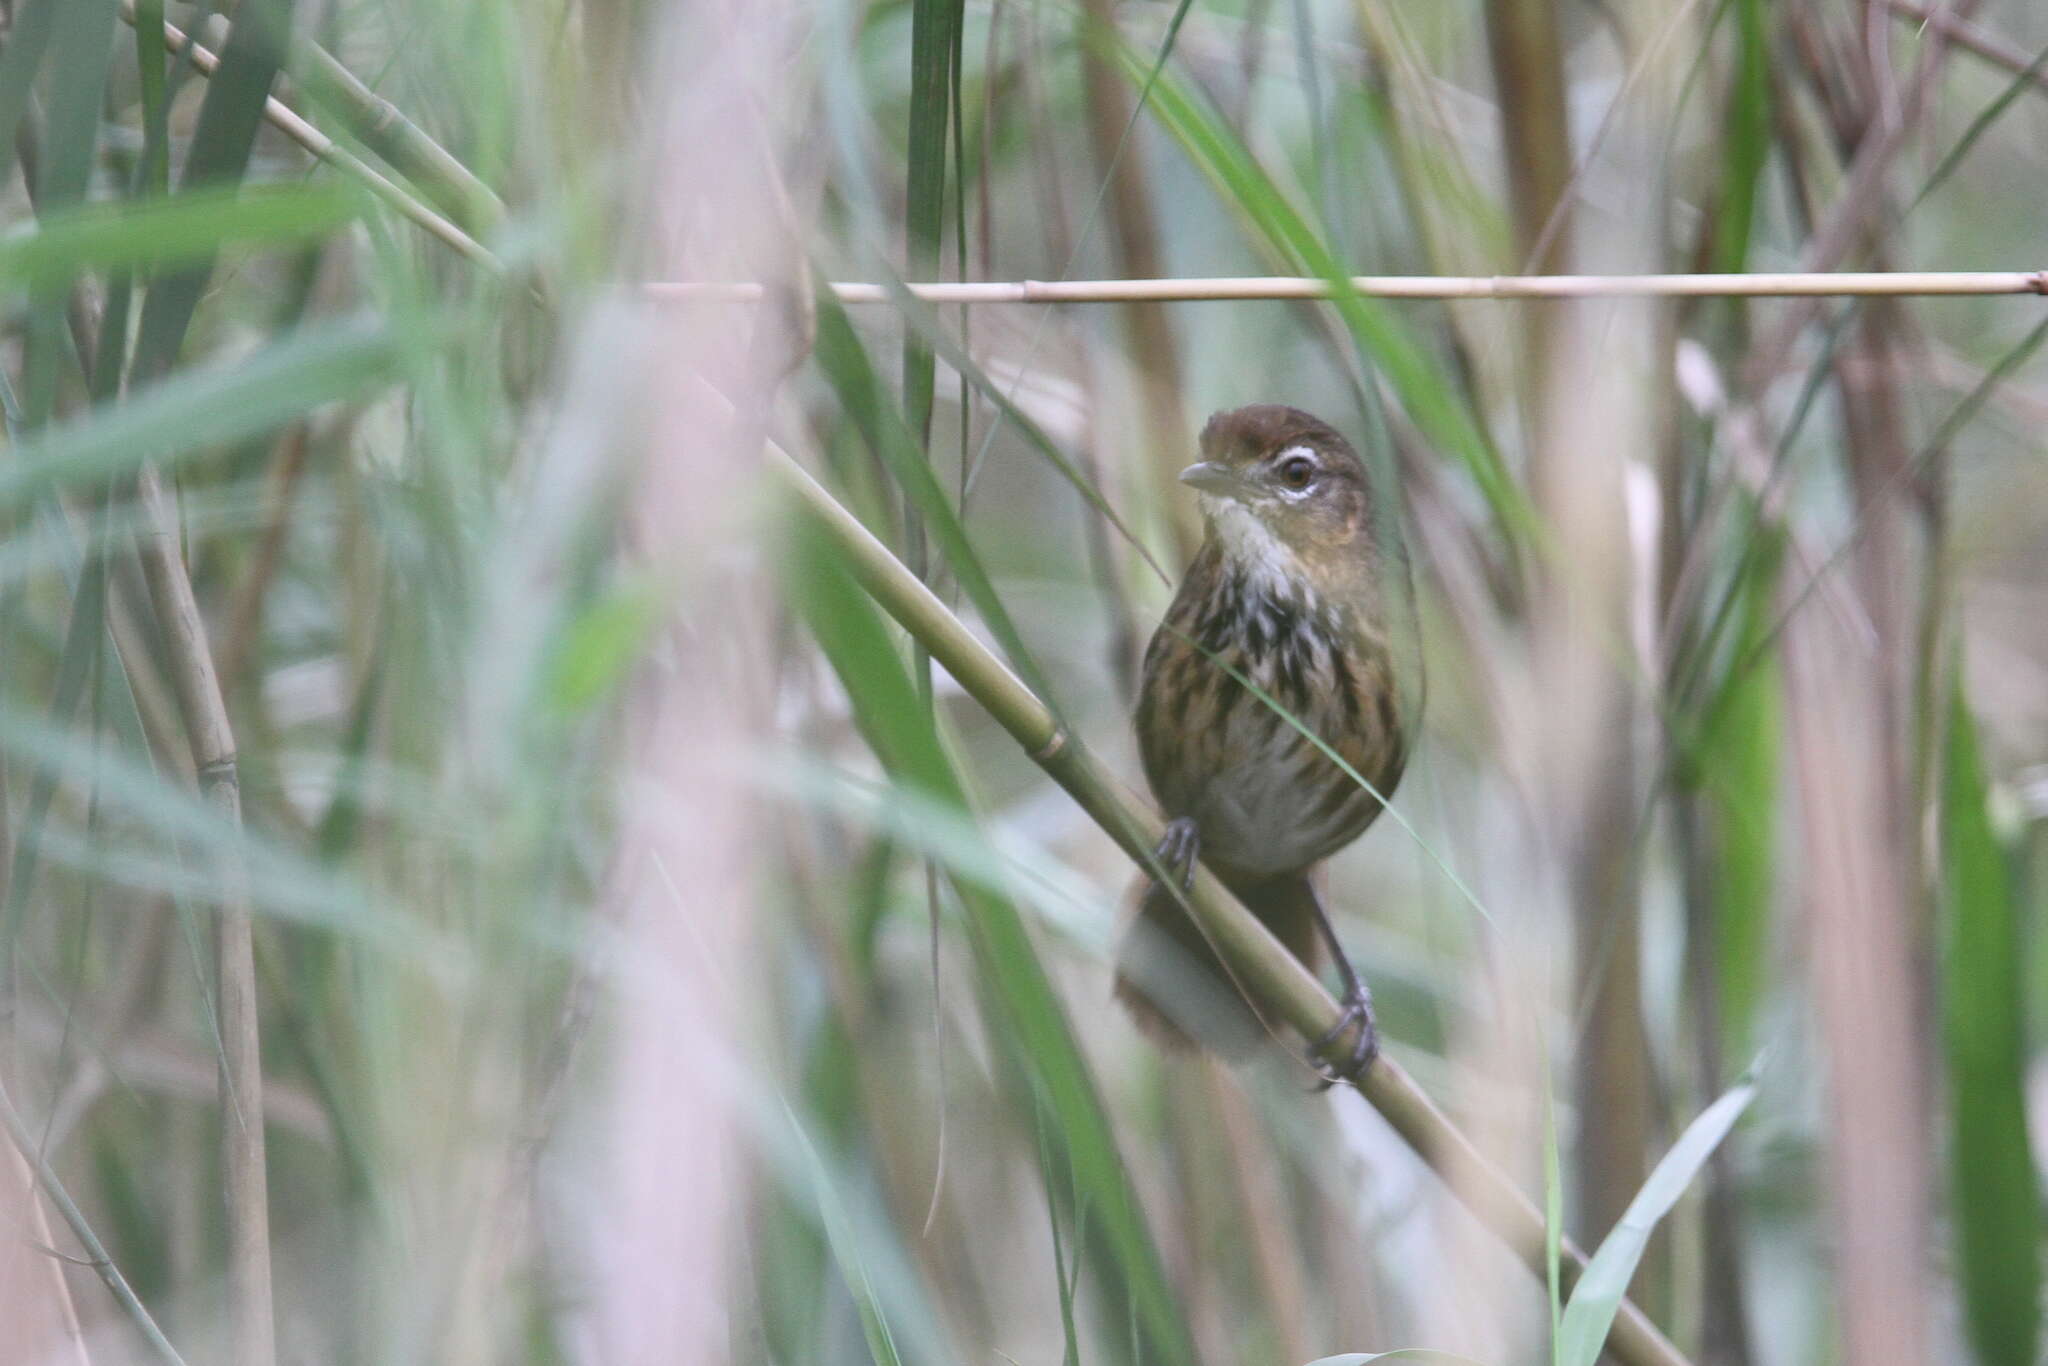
(406, 482)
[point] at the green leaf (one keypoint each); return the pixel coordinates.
(1024, 1013)
(78, 48)
(219, 155)
(83, 638)
(882, 425)
(27, 40)
(846, 1247)
(153, 175)
(181, 417)
(172, 231)
(934, 32)
(179, 823)
(84, 33)
(596, 650)
(1997, 1192)
(1736, 761)
(1747, 145)
(1598, 1295)
(920, 316)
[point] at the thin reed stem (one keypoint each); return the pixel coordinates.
(214, 764)
(1972, 39)
(96, 1253)
(1787, 285)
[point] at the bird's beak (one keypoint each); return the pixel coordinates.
(1210, 476)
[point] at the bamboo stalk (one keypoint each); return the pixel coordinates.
(1258, 960)
(1788, 285)
(323, 148)
(383, 128)
(252, 1330)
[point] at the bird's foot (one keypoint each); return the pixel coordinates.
(1365, 1046)
(1178, 849)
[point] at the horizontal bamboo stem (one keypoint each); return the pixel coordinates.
(1257, 960)
(1812, 284)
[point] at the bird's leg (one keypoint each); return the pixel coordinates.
(1178, 848)
(1357, 1011)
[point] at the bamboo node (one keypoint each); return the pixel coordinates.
(216, 770)
(1046, 752)
(2039, 280)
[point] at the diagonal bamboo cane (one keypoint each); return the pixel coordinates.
(1258, 961)
(323, 148)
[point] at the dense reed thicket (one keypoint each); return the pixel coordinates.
(543, 818)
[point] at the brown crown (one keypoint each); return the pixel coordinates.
(1251, 432)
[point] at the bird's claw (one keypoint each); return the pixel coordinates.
(1178, 848)
(1364, 1048)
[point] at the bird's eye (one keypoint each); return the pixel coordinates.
(1297, 472)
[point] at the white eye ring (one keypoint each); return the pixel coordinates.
(1297, 470)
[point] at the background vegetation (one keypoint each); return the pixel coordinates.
(482, 881)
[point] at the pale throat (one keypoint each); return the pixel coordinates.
(1268, 564)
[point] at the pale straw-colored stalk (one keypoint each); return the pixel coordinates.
(188, 656)
(1785, 285)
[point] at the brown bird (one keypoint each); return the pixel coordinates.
(1302, 587)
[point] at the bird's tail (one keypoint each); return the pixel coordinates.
(1179, 991)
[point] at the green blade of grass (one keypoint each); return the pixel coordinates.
(229, 117)
(1735, 760)
(153, 175)
(934, 28)
(1431, 399)
(920, 316)
(1748, 142)
(1997, 1192)
(173, 231)
(845, 361)
(1988, 115)
(1024, 1012)
(27, 40)
(1590, 1312)
(846, 1249)
(82, 644)
(63, 172)
(177, 823)
(78, 49)
(181, 417)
